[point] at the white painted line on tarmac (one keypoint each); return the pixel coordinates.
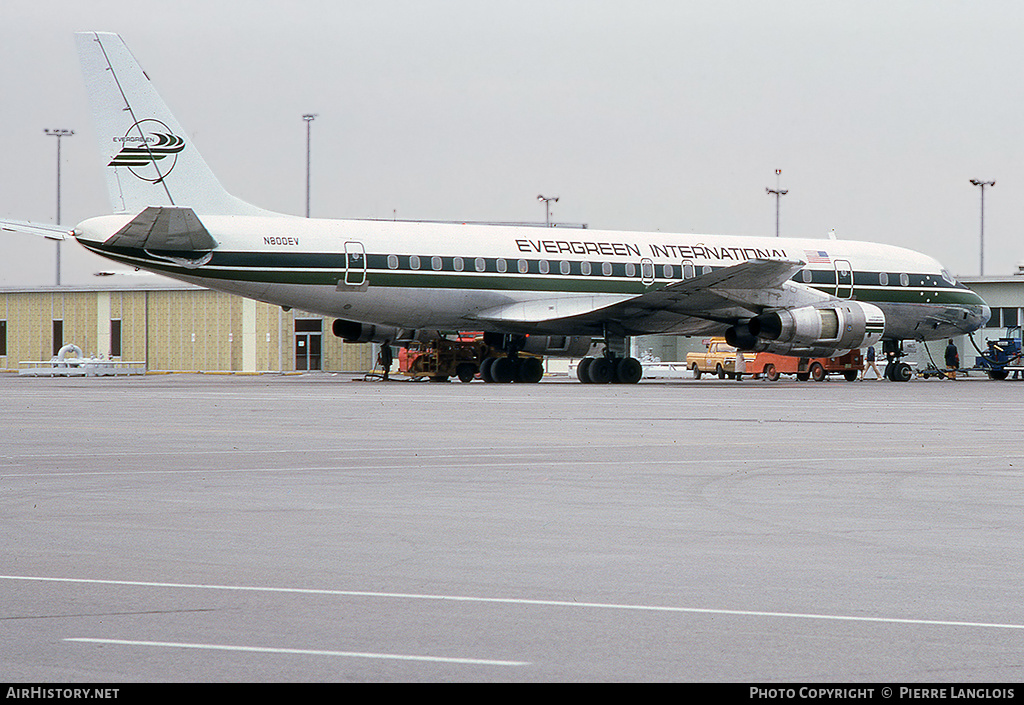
(301, 652)
(533, 603)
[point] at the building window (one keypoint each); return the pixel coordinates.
(58, 336)
(1009, 317)
(115, 338)
(3, 338)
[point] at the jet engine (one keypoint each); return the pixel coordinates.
(354, 332)
(825, 330)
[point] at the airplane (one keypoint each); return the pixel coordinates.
(529, 289)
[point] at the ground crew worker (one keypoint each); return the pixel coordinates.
(385, 358)
(952, 359)
(869, 364)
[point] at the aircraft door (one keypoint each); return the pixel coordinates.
(355, 264)
(647, 271)
(844, 279)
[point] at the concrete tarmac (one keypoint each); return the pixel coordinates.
(318, 528)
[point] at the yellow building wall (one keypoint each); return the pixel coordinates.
(192, 330)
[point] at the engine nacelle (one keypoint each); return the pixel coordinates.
(826, 330)
(557, 345)
(354, 332)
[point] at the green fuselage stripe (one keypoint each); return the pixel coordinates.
(329, 269)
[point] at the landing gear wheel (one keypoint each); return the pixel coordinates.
(902, 372)
(582, 370)
(485, 369)
(531, 370)
(628, 370)
(771, 373)
(817, 372)
(601, 370)
(466, 371)
(504, 369)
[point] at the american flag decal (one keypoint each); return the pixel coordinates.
(817, 257)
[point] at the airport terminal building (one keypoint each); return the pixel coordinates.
(177, 327)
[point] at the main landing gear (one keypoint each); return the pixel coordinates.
(609, 369)
(512, 369)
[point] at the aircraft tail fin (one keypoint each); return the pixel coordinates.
(147, 157)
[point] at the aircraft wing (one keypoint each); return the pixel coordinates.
(727, 295)
(51, 232)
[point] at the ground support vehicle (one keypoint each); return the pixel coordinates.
(439, 359)
(718, 359)
(772, 366)
(465, 358)
(1003, 356)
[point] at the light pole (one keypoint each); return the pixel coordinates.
(778, 193)
(981, 258)
(58, 134)
(308, 117)
(547, 208)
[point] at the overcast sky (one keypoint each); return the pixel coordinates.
(663, 115)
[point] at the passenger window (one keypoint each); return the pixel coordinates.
(481, 264)
(414, 262)
(457, 264)
(392, 261)
(564, 267)
(502, 265)
(435, 263)
(524, 266)
(585, 267)
(606, 268)
(544, 266)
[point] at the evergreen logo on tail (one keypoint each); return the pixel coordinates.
(146, 143)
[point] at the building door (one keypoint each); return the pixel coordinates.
(308, 339)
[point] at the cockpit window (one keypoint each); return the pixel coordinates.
(948, 277)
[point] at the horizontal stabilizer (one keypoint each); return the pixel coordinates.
(52, 232)
(164, 229)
